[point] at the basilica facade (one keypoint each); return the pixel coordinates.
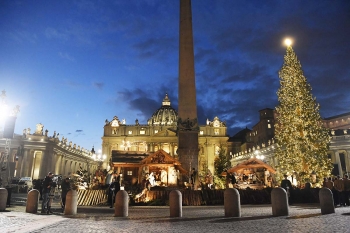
(129, 141)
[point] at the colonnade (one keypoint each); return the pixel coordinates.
(37, 163)
(35, 158)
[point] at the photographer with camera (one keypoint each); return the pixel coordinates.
(47, 185)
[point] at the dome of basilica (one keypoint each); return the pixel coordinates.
(165, 115)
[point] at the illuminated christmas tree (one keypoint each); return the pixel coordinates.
(302, 139)
(221, 164)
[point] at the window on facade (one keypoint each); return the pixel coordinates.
(216, 131)
(142, 132)
(201, 132)
(129, 173)
(156, 131)
(130, 132)
(269, 126)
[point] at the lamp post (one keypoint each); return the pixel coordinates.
(7, 126)
(98, 157)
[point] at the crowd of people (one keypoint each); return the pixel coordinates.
(340, 188)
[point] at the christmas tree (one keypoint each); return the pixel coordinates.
(302, 139)
(221, 163)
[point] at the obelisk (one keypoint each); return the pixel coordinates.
(187, 113)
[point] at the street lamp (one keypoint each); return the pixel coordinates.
(7, 121)
(98, 157)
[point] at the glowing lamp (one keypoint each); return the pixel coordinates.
(288, 42)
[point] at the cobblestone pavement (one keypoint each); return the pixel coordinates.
(255, 218)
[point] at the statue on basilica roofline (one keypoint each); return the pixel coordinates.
(216, 122)
(114, 123)
(39, 129)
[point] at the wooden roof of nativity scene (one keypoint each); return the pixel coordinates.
(251, 163)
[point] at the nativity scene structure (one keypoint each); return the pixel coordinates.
(253, 173)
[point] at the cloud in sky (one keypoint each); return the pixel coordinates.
(66, 56)
(99, 85)
(99, 59)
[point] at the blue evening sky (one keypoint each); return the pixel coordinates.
(72, 64)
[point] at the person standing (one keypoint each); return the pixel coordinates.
(233, 180)
(324, 183)
(193, 178)
(287, 185)
(114, 187)
(328, 183)
(339, 187)
(47, 185)
(228, 180)
(65, 186)
(346, 190)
